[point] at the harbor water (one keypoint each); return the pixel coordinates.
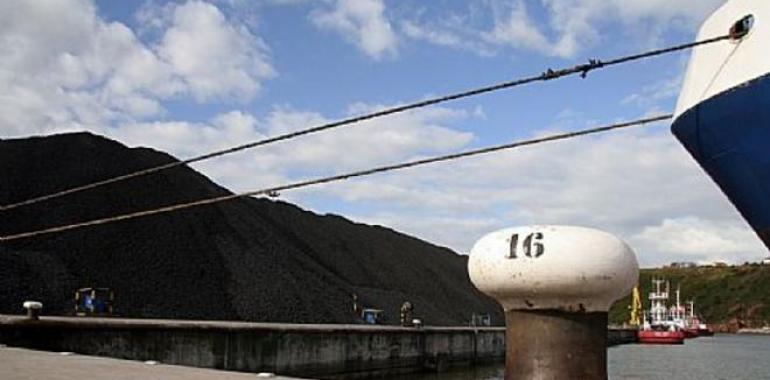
(722, 357)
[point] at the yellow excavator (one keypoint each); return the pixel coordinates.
(636, 308)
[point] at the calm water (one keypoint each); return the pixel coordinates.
(723, 357)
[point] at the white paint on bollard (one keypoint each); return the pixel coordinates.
(572, 269)
(33, 309)
(32, 305)
(556, 284)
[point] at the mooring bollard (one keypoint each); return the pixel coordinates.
(556, 285)
(33, 309)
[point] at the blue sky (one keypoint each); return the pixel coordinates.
(189, 77)
(319, 70)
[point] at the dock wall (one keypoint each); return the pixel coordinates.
(621, 335)
(313, 351)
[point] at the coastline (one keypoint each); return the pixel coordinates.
(762, 331)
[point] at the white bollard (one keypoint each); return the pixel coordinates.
(33, 309)
(556, 285)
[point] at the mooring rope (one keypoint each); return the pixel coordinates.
(582, 70)
(336, 178)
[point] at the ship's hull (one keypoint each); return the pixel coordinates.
(706, 332)
(660, 337)
(723, 112)
(729, 136)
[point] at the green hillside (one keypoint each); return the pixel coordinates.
(721, 294)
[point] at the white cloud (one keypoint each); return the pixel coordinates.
(370, 142)
(515, 28)
(704, 241)
(436, 37)
(651, 94)
(560, 28)
(363, 22)
(629, 183)
(449, 31)
(445, 231)
(579, 23)
(186, 139)
(376, 142)
(66, 68)
(243, 171)
(213, 57)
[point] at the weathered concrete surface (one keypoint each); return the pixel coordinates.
(314, 351)
(22, 364)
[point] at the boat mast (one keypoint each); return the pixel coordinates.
(692, 310)
(658, 309)
(679, 314)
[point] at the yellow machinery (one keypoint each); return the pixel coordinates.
(636, 308)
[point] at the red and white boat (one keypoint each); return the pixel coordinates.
(684, 317)
(694, 325)
(659, 325)
(702, 328)
(661, 336)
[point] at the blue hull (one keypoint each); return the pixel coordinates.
(729, 136)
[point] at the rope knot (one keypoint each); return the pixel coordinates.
(549, 74)
(592, 64)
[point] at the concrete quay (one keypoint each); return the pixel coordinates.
(307, 351)
(312, 351)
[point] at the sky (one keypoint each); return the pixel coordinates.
(189, 77)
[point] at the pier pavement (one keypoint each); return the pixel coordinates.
(23, 364)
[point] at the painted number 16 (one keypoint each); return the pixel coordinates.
(531, 246)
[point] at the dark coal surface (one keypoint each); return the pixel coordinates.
(249, 259)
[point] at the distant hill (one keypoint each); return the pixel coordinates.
(248, 259)
(722, 295)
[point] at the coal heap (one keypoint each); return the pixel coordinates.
(248, 259)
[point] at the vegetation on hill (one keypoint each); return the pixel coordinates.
(723, 295)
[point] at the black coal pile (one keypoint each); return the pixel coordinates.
(248, 259)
